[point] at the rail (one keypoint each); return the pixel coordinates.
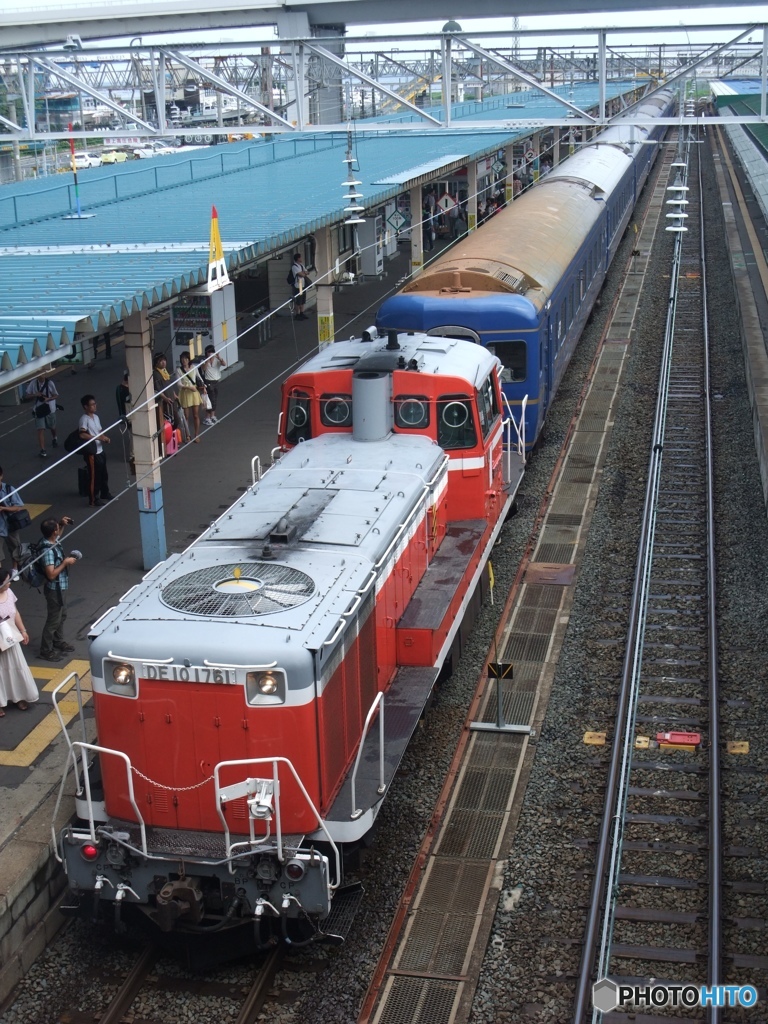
(679, 389)
(379, 699)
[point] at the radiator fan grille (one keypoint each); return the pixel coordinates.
(239, 590)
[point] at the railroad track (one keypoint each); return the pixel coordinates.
(143, 987)
(656, 912)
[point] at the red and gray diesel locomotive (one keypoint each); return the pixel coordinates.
(254, 695)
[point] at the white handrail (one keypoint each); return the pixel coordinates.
(274, 761)
(131, 796)
(255, 470)
(71, 755)
(379, 699)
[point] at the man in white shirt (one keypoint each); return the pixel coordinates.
(95, 459)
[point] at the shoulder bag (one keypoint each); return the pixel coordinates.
(9, 635)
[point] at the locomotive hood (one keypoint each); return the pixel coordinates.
(276, 573)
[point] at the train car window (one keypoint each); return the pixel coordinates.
(514, 359)
(298, 422)
(456, 425)
(412, 412)
(336, 410)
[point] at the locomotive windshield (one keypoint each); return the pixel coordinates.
(456, 424)
(298, 425)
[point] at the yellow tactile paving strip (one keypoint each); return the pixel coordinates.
(35, 510)
(43, 734)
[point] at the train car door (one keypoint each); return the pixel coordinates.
(547, 348)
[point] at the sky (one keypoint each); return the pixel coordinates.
(682, 20)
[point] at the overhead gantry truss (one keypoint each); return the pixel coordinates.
(268, 85)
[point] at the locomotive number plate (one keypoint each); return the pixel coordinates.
(189, 674)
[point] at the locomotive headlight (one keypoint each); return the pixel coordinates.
(120, 678)
(267, 687)
(267, 683)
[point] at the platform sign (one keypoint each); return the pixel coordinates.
(529, 154)
(497, 166)
(446, 202)
(500, 670)
(396, 220)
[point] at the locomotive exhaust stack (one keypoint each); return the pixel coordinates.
(372, 413)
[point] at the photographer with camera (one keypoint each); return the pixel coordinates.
(55, 565)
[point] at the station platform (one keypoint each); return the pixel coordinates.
(199, 482)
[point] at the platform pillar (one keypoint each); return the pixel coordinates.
(146, 443)
(324, 267)
(471, 195)
(535, 146)
(417, 232)
(556, 147)
(509, 184)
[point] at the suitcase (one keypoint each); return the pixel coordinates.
(82, 481)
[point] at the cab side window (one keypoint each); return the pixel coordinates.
(487, 406)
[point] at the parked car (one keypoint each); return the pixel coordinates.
(153, 148)
(87, 160)
(114, 156)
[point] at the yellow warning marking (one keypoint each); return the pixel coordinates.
(36, 510)
(595, 739)
(33, 745)
(737, 746)
(57, 674)
(642, 742)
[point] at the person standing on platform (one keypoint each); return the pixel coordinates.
(16, 682)
(44, 392)
(210, 371)
(189, 393)
(301, 281)
(95, 459)
(10, 502)
(55, 566)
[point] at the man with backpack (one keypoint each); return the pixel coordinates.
(55, 567)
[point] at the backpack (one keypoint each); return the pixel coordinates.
(30, 566)
(291, 280)
(72, 441)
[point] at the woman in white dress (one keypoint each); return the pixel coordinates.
(16, 682)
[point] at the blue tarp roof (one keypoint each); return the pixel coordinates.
(146, 235)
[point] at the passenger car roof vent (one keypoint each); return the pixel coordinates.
(239, 590)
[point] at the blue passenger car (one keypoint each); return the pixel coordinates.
(525, 283)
